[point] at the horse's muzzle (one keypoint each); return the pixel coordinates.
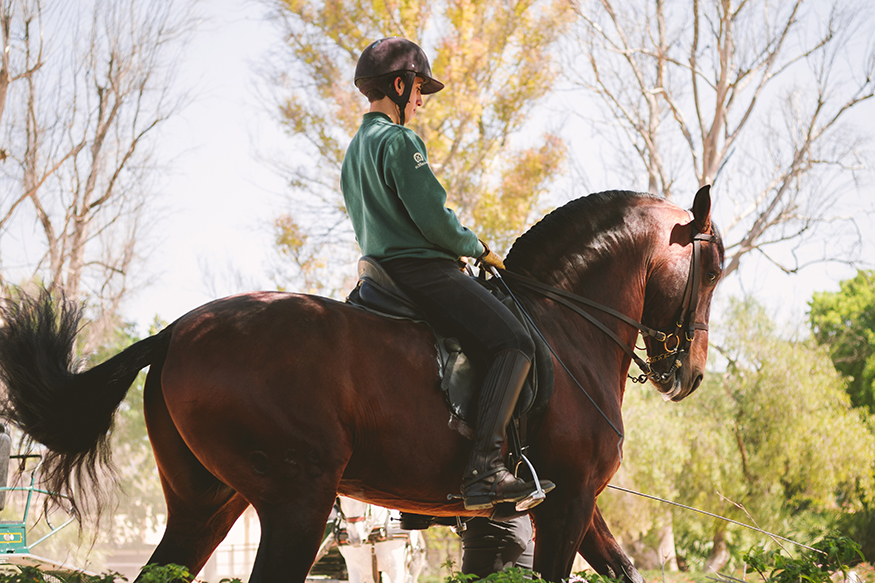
(680, 385)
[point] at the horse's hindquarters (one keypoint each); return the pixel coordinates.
(275, 391)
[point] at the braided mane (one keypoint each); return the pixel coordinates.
(584, 226)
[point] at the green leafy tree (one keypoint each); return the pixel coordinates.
(494, 57)
(844, 322)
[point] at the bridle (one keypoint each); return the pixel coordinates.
(367, 518)
(676, 339)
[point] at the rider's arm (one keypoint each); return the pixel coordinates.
(408, 173)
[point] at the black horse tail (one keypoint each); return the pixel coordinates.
(69, 411)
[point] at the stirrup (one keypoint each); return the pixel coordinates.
(490, 499)
(535, 497)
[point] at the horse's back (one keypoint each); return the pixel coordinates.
(252, 339)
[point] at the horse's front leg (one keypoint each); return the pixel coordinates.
(560, 524)
(602, 552)
(392, 559)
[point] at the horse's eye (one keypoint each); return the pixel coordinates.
(712, 276)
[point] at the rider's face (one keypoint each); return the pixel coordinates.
(415, 101)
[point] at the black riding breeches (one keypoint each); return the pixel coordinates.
(490, 547)
(457, 305)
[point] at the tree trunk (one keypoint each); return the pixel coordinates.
(667, 555)
(719, 554)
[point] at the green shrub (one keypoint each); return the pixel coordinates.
(832, 554)
(150, 574)
(517, 575)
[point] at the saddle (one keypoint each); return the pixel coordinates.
(460, 380)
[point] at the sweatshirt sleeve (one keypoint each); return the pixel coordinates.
(406, 170)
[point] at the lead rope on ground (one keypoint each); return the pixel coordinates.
(685, 507)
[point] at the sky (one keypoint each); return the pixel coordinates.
(220, 196)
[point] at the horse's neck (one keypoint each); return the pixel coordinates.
(617, 283)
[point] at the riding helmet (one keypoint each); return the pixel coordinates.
(395, 55)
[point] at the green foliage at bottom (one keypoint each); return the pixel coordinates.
(149, 574)
(513, 575)
(517, 575)
(830, 555)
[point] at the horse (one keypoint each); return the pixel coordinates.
(375, 544)
(283, 400)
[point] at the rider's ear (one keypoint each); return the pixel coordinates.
(702, 209)
(399, 85)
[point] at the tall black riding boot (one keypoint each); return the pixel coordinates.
(486, 481)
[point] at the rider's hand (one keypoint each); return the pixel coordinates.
(490, 258)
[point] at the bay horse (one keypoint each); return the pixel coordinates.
(282, 400)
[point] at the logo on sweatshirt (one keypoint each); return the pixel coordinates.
(419, 159)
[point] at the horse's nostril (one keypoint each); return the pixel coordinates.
(696, 382)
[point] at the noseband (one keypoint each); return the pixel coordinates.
(676, 339)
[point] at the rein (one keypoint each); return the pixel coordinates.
(681, 335)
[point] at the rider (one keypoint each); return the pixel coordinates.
(397, 207)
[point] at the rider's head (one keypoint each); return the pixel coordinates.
(389, 68)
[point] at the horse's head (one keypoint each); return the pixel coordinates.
(360, 518)
(686, 266)
(592, 247)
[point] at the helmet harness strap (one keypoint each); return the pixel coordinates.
(408, 78)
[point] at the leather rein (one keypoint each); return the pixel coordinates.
(676, 339)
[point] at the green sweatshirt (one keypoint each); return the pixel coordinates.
(396, 203)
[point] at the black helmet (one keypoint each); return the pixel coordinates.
(395, 55)
(385, 60)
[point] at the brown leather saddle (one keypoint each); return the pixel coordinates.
(460, 379)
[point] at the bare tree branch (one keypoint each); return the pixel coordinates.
(78, 130)
(723, 78)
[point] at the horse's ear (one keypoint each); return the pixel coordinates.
(702, 209)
